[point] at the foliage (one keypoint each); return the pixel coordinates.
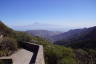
(7, 46)
(55, 54)
(22, 36)
(87, 56)
(6, 31)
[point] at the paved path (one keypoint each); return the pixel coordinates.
(22, 56)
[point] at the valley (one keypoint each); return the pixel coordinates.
(73, 47)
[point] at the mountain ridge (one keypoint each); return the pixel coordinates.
(82, 38)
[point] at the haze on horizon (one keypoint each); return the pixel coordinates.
(47, 14)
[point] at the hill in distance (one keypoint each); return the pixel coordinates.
(43, 33)
(77, 38)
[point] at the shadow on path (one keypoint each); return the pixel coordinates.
(33, 48)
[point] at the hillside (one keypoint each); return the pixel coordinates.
(69, 34)
(4, 30)
(8, 44)
(54, 54)
(78, 38)
(43, 33)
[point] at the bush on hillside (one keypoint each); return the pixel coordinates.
(22, 37)
(55, 54)
(7, 46)
(59, 55)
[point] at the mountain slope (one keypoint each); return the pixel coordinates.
(4, 30)
(82, 38)
(69, 35)
(8, 44)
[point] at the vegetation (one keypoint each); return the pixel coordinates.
(54, 54)
(85, 56)
(7, 46)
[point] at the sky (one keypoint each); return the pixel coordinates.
(48, 14)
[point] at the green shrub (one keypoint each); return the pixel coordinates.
(7, 46)
(59, 55)
(22, 37)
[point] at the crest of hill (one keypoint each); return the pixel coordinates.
(4, 30)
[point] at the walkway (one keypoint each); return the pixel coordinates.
(22, 56)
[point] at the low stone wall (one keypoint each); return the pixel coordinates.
(38, 56)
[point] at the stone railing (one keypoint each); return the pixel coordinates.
(38, 56)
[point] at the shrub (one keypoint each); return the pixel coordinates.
(7, 46)
(22, 37)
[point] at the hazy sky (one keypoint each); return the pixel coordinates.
(54, 13)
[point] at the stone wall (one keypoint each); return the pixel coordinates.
(40, 56)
